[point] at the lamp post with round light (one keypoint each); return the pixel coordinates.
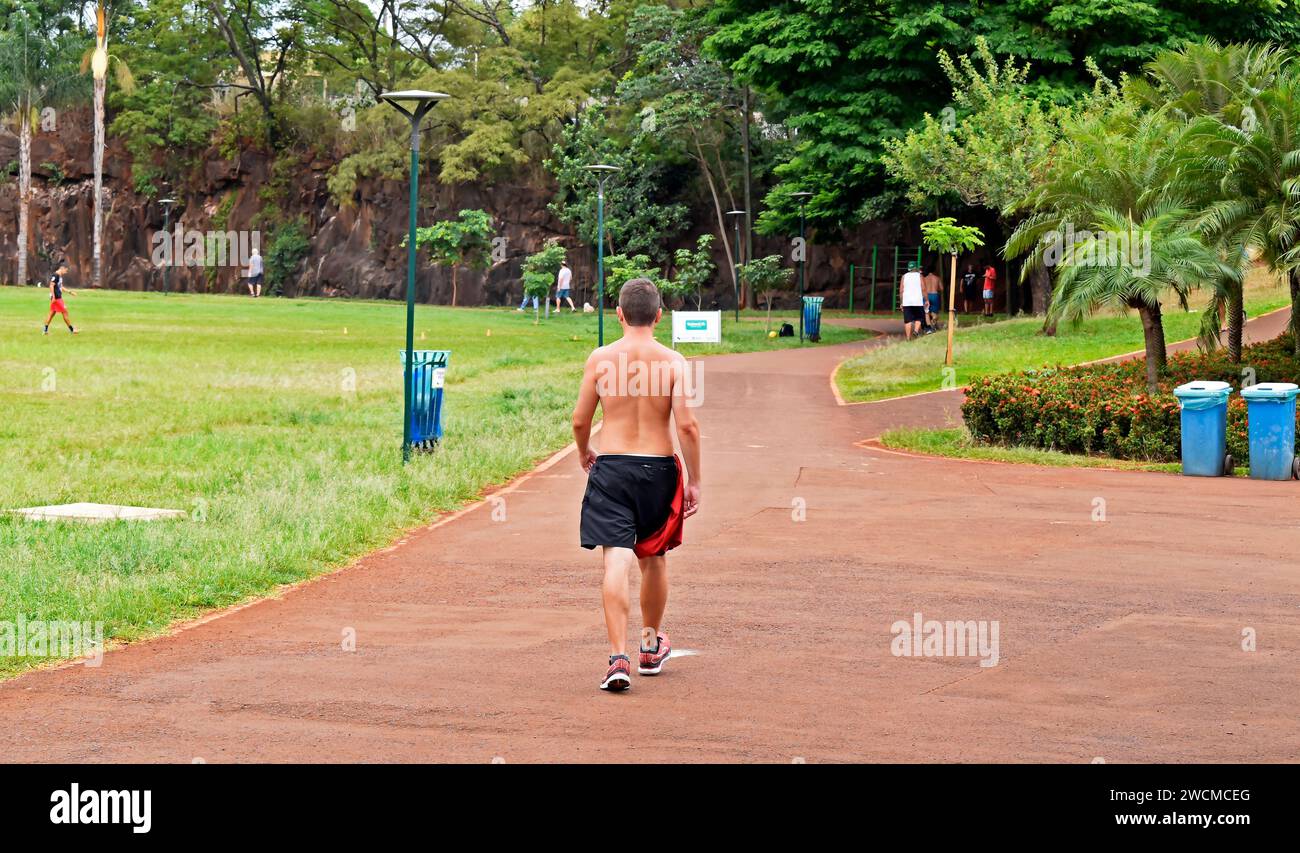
(603, 173)
(167, 205)
(803, 252)
(414, 104)
(735, 267)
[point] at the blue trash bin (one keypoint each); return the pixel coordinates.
(428, 368)
(1270, 413)
(1204, 407)
(812, 317)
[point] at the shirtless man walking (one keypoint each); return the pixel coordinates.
(636, 498)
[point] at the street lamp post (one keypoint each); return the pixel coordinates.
(167, 204)
(418, 105)
(603, 172)
(803, 246)
(735, 267)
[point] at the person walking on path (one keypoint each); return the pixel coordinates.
(562, 279)
(56, 299)
(990, 283)
(911, 295)
(933, 300)
(255, 273)
(636, 498)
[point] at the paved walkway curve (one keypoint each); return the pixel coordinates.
(1118, 639)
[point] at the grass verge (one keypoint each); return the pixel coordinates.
(1018, 344)
(956, 443)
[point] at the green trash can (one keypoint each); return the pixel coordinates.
(1270, 413)
(1204, 408)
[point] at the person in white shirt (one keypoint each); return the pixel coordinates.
(255, 274)
(562, 280)
(911, 292)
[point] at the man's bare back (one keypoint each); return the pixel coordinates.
(635, 382)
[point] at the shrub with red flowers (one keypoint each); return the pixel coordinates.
(1105, 408)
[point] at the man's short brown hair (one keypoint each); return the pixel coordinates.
(639, 299)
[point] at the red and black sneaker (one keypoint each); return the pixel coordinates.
(619, 676)
(653, 660)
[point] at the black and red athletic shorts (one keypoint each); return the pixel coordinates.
(633, 502)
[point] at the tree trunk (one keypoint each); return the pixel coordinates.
(24, 185)
(717, 209)
(1153, 334)
(453, 285)
(96, 275)
(1040, 290)
(1236, 323)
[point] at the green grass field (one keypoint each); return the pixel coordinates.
(275, 423)
(957, 443)
(1019, 345)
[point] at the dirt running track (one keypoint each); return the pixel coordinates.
(481, 639)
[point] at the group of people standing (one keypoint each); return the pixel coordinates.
(921, 296)
(563, 290)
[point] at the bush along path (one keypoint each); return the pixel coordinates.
(1106, 408)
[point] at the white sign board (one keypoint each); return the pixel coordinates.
(697, 327)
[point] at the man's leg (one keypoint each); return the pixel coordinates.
(259, 289)
(618, 563)
(654, 597)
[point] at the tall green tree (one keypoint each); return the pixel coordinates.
(38, 67)
(1116, 219)
(1259, 162)
(463, 241)
(845, 75)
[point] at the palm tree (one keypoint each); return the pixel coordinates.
(1116, 216)
(34, 71)
(1259, 161)
(1128, 261)
(1207, 80)
(97, 59)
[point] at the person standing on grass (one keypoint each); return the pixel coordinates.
(255, 274)
(636, 499)
(990, 283)
(970, 289)
(56, 299)
(911, 295)
(562, 279)
(933, 300)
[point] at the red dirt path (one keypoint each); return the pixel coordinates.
(481, 639)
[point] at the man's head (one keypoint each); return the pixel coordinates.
(564, 264)
(62, 269)
(913, 266)
(638, 303)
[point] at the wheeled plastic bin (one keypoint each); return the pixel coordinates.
(1204, 407)
(1270, 412)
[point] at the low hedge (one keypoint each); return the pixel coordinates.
(1105, 408)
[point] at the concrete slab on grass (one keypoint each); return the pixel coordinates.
(96, 512)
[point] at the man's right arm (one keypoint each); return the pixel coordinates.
(688, 436)
(584, 411)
